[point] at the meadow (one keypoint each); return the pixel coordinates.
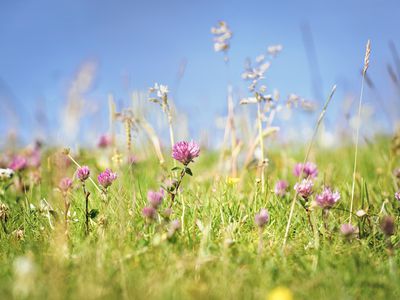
(252, 219)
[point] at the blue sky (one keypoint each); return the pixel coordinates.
(137, 43)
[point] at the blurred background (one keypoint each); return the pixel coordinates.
(60, 61)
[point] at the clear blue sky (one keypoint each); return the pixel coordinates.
(137, 43)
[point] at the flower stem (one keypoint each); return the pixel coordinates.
(87, 194)
(261, 138)
(174, 193)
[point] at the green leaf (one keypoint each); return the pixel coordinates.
(188, 171)
(93, 213)
(176, 168)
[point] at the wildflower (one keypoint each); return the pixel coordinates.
(388, 225)
(310, 170)
(6, 174)
(170, 184)
(19, 234)
(397, 195)
(83, 173)
(232, 180)
(305, 188)
(327, 198)
(104, 141)
(132, 159)
(281, 188)
(106, 178)
(65, 184)
(174, 226)
(361, 213)
(185, 152)
(396, 173)
(19, 163)
(155, 198)
(33, 159)
(167, 213)
(261, 218)
(348, 230)
(149, 212)
(222, 36)
(4, 212)
(280, 293)
(273, 50)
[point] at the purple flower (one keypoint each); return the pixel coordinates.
(33, 159)
(132, 159)
(397, 195)
(348, 230)
(261, 218)
(310, 170)
(327, 198)
(281, 188)
(388, 225)
(149, 212)
(106, 178)
(304, 188)
(185, 152)
(167, 213)
(83, 173)
(104, 141)
(174, 226)
(65, 184)
(155, 198)
(18, 163)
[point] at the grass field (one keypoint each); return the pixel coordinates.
(215, 252)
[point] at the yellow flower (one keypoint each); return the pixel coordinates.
(280, 293)
(232, 180)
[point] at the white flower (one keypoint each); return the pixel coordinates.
(274, 49)
(6, 174)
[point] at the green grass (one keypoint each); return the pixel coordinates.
(214, 255)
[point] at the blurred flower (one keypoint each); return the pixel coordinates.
(149, 212)
(309, 170)
(222, 35)
(185, 152)
(6, 174)
(167, 213)
(104, 141)
(281, 188)
(18, 163)
(361, 213)
(19, 234)
(348, 230)
(155, 198)
(65, 184)
(4, 212)
(132, 159)
(327, 198)
(24, 276)
(83, 173)
(280, 293)
(273, 50)
(388, 225)
(232, 180)
(106, 178)
(174, 226)
(305, 188)
(161, 91)
(396, 173)
(261, 218)
(397, 195)
(34, 158)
